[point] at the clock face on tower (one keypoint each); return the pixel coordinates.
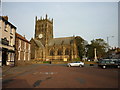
(40, 36)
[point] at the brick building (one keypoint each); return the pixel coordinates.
(114, 53)
(23, 51)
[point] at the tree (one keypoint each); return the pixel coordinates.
(90, 51)
(81, 46)
(100, 46)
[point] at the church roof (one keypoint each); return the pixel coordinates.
(61, 41)
(39, 44)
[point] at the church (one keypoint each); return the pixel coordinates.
(45, 47)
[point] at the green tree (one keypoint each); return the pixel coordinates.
(90, 51)
(100, 46)
(81, 46)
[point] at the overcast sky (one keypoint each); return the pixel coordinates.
(90, 20)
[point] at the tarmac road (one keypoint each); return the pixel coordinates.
(59, 76)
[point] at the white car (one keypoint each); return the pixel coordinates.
(76, 63)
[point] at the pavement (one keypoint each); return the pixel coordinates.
(59, 76)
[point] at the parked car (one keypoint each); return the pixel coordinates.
(107, 63)
(76, 63)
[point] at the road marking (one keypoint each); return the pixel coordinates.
(45, 73)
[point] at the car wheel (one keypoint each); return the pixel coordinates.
(103, 67)
(118, 66)
(69, 65)
(80, 65)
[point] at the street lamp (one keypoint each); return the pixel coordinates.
(108, 44)
(108, 40)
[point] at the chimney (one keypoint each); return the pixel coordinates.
(24, 36)
(5, 17)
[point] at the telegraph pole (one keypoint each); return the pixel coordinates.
(108, 44)
(108, 41)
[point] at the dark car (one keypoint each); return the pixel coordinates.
(107, 63)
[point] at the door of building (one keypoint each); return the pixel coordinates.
(4, 57)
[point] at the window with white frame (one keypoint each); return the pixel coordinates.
(29, 48)
(19, 45)
(6, 27)
(9, 56)
(24, 50)
(18, 55)
(19, 49)
(11, 31)
(12, 56)
(28, 52)
(11, 41)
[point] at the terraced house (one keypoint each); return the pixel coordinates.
(45, 47)
(7, 41)
(23, 51)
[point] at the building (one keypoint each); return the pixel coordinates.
(45, 47)
(7, 41)
(114, 53)
(22, 46)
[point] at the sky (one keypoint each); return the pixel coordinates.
(90, 20)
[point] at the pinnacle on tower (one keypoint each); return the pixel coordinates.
(41, 18)
(36, 18)
(52, 20)
(46, 16)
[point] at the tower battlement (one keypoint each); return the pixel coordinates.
(44, 19)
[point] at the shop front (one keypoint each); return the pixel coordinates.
(7, 57)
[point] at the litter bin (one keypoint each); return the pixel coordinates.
(50, 62)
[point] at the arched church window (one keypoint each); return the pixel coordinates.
(67, 51)
(71, 41)
(59, 52)
(51, 52)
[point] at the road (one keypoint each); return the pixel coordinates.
(59, 76)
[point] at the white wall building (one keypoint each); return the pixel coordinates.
(7, 41)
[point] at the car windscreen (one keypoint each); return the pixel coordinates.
(105, 61)
(74, 62)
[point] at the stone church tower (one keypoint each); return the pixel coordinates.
(45, 47)
(44, 30)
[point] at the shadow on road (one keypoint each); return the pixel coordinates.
(16, 83)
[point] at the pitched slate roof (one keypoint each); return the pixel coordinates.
(61, 41)
(39, 44)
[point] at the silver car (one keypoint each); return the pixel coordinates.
(76, 63)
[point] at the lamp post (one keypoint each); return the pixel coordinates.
(108, 44)
(108, 40)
